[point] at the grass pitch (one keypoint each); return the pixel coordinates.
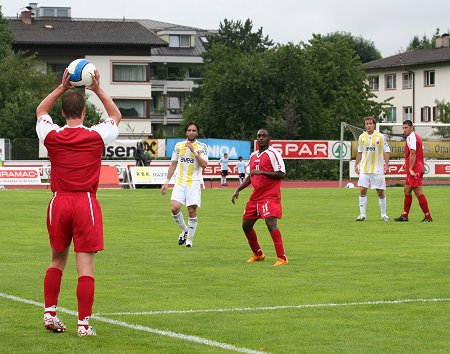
(370, 287)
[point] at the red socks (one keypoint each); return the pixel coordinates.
(85, 296)
(253, 242)
(407, 205)
(424, 205)
(278, 243)
(52, 286)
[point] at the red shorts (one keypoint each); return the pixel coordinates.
(413, 182)
(77, 216)
(263, 210)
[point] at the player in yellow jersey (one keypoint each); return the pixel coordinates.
(188, 159)
(372, 162)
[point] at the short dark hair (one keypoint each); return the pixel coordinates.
(408, 122)
(73, 104)
(267, 130)
(189, 124)
(370, 118)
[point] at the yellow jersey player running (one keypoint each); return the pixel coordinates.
(188, 159)
(372, 162)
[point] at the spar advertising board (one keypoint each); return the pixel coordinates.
(311, 149)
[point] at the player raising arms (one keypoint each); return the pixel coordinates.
(266, 172)
(189, 157)
(415, 168)
(74, 212)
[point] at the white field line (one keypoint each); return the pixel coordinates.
(272, 308)
(181, 336)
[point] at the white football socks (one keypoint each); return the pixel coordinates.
(179, 219)
(362, 205)
(382, 203)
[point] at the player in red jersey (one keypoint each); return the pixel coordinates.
(74, 213)
(266, 172)
(415, 168)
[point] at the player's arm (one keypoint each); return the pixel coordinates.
(244, 185)
(111, 109)
(412, 161)
(357, 162)
(197, 155)
(270, 174)
(387, 155)
(170, 173)
(48, 102)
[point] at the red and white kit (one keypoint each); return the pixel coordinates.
(74, 211)
(265, 199)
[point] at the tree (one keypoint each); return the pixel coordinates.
(364, 48)
(239, 36)
(444, 117)
(422, 43)
(341, 85)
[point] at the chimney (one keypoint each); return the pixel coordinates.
(25, 16)
(445, 41)
(442, 41)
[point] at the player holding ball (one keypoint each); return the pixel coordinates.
(74, 212)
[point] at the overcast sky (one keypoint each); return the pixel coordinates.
(390, 24)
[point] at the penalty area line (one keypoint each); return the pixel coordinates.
(171, 334)
(272, 308)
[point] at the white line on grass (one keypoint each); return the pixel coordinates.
(271, 308)
(182, 336)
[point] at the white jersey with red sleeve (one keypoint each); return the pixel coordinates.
(266, 188)
(75, 153)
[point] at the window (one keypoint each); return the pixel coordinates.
(429, 78)
(425, 114)
(133, 108)
(436, 114)
(195, 72)
(374, 82)
(174, 104)
(390, 82)
(407, 80)
(49, 13)
(408, 113)
(391, 115)
(131, 72)
(62, 13)
(183, 41)
(174, 73)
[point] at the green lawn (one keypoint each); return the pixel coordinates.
(337, 295)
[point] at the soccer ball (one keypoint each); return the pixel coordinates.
(81, 72)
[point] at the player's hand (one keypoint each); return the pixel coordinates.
(190, 146)
(164, 189)
(95, 82)
(256, 172)
(235, 197)
(413, 174)
(65, 80)
(357, 169)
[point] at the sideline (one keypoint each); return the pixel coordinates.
(271, 308)
(182, 336)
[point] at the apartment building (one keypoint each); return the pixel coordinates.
(412, 82)
(148, 67)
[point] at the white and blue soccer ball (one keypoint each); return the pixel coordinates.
(81, 72)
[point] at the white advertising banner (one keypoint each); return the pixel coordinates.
(149, 175)
(311, 149)
(19, 176)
